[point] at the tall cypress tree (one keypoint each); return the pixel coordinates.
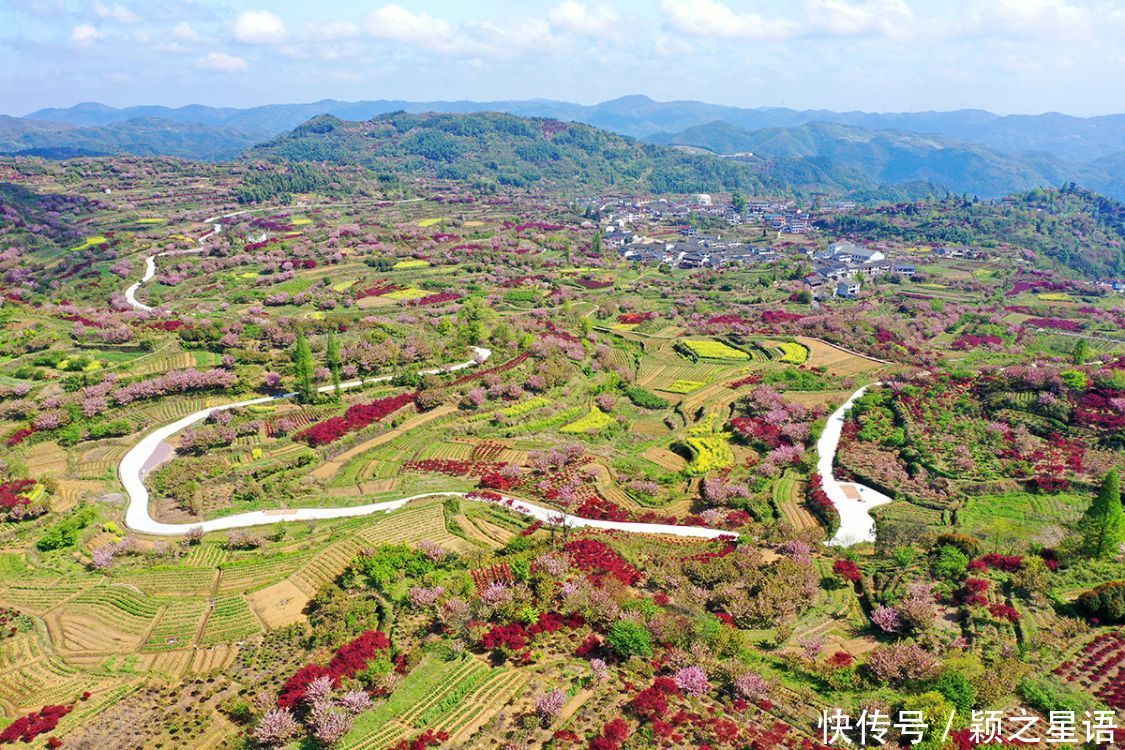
(333, 357)
(303, 368)
(1103, 525)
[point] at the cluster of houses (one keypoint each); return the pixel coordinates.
(781, 216)
(697, 251)
(838, 270)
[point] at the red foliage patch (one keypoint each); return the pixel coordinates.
(635, 318)
(600, 561)
(589, 283)
(348, 661)
(512, 637)
(847, 570)
(355, 418)
(600, 509)
(428, 738)
(1005, 612)
(26, 728)
(19, 436)
(819, 502)
(993, 561)
(15, 493)
(1059, 324)
(748, 380)
(433, 299)
(968, 341)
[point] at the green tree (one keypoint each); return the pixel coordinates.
(1103, 525)
(333, 357)
(957, 690)
(1081, 352)
(1075, 379)
(596, 244)
(303, 368)
(629, 638)
(935, 712)
(738, 201)
(950, 563)
(1105, 602)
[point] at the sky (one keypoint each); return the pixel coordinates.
(1006, 56)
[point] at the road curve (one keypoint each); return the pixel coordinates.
(131, 470)
(856, 523)
(150, 261)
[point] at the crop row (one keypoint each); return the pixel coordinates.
(172, 579)
(255, 574)
(176, 626)
(430, 707)
(329, 563)
(230, 620)
(489, 697)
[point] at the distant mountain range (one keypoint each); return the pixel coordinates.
(143, 136)
(964, 151)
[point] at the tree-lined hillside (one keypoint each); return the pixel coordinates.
(1075, 228)
(506, 150)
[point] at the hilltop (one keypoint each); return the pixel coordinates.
(506, 150)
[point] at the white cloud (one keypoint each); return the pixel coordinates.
(398, 24)
(333, 30)
(115, 12)
(1035, 18)
(84, 34)
(891, 18)
(580, 19)
(816, 18)
(501, 41)
(711, 19)
(258, 27)
(183, 30)
(222, 62)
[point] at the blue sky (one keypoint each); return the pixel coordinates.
(1024, 56)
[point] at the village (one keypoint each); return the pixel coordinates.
(699, 232)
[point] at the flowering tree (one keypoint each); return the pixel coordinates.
(751, 686)
(276, 728)
(548, 705)
(901, 662)
(693, 681)
(886, 619)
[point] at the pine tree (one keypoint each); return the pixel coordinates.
(303, 368)
(1103, 525)
(333, 357)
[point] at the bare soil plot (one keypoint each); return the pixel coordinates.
(46, 459)
(838, 361)
(665, 458)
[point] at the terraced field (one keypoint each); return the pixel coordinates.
(229, 620)
(454, 697)
(177, 625)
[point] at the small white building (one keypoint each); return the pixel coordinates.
(847, 289)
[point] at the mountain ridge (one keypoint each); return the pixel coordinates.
(1069, 137)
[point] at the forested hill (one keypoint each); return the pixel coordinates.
(511, 151)
(1072, 227)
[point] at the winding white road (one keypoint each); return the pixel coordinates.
(137, 517)
(150, 261)
(852, 500)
